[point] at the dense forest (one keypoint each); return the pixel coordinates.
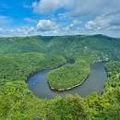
(21, 57)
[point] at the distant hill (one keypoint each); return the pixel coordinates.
(69, 46)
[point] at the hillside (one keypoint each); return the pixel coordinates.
(22, 56)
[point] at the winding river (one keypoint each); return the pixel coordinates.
(94, 83)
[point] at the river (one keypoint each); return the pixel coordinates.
(94, 83)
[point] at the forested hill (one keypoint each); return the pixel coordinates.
(22, 56)
(69, 46)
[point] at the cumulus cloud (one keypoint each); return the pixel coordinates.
(106, 21)
(43, 27)
(75, 25)
(46, 25)
(7, 27)
(44, 6)
(95, 15)
(78, 7)
(18, 31)
(71, 17)
(25, 30)
(97, 24)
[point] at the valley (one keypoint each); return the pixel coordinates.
(24, 76)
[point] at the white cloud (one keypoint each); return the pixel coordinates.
(77, 16)
(97, 24)
(106, 21)
(44, 6)
(25, 30)
(97, 16)
(46, 25)
(18, 31)
(43, 27)
(75, 25)
(7, 27)
(77, 7)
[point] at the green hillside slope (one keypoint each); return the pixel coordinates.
(22, 56)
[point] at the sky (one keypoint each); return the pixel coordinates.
(59, 17)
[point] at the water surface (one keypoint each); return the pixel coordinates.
(95, 83)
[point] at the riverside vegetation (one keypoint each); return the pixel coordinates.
(22, 56)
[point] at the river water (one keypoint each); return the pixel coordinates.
(94, 83)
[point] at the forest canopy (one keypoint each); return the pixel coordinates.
(20, 57)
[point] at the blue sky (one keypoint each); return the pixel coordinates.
(59, 17)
